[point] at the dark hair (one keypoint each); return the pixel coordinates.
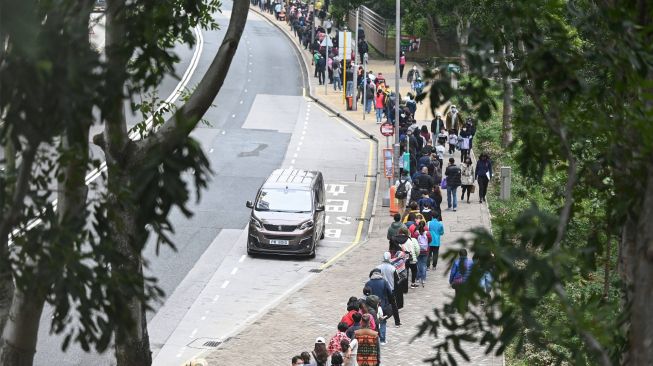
(397, 217)
(344, 344)
(296, 358)
(413, 205)
(424, 129)
(357, 317)
(463, 261)
(411, 217)
(436, 190)
(336, 359)
(352, 303)
(342, 326)
(305, 356)
(452, 160)
(366, 320)
(420, 227)
(320, 352)
(367, 290)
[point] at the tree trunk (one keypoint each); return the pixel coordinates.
(506, 129)
(641, 310)
(462, 31)
(132, 340)
(20, 333)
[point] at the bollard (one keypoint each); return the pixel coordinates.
(506, 173)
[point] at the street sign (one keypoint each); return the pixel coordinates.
(387, 129)
(387, 163)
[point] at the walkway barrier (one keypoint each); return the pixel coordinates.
(394, 202)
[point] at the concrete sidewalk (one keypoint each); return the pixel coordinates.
(315, 310)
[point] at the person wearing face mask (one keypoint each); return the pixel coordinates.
(466, 178)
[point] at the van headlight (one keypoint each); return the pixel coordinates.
(306, 225)
(254, 221)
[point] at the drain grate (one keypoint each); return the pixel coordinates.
(315, 270)
(211, 344)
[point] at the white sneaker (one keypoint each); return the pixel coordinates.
(384, 343)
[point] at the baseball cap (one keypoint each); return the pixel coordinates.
(320, 340)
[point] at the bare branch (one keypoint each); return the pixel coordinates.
(180, 125)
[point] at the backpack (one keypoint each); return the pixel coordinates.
(423, 241)
(401, 192)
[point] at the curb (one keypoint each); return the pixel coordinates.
(307, 83)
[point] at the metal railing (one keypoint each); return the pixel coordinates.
(371, 20)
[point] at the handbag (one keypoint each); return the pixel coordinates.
(443, 184)
(472, 189)
(457, 281)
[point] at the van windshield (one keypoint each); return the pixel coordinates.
(284, 200)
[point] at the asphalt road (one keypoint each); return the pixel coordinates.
(260, 122)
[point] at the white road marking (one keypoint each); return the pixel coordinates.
(172, 98)
(192, 334)
(233, 116)
(223, 132)
(292, 161)
(210, 151)
(203, 318)
(294, 156)
(304, 133)
(301, 143)
(242, 258)
(301, 137)
(298, 148)
(241, 102)
(225, 284)
(245, 90)
(233, 271)
(215, 298)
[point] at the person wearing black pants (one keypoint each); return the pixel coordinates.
(483, 175)
(433, 253)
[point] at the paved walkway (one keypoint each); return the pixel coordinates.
(314, 310)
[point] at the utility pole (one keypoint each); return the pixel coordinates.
(313, 26)
(355, 48)
(397, 52)
(364, 61)
(327, 38)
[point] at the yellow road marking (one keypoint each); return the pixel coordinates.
(359, 230)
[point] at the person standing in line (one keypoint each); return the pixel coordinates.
(411, 247)
(453, 141)
(368, 344)
(319, 355)
(297, 361)
(389, 272)
(334, 342)
(402, 64)
(369, 95)
(460, 272)
(350, 351)
(357, 324)
(337, 76)
(437, 125)
(403, 191)
(382, 289)
(453, 175)
(483, 175)
(466, 178)
(396, 228)
(463, 142)
(436, 229)
(436, 196)
(423, 239)
(379, 104)
(321, 66)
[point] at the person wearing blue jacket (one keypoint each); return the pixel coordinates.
(460, 272)
(483, 175)
(436, 228)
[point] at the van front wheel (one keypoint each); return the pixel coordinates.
(323, 230)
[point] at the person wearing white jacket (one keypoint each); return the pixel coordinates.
(411, 247)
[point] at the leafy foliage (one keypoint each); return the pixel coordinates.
(581, 69)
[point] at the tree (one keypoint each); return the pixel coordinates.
(583, 135)
(94, 273)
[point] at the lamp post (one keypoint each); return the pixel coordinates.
(397, 52)
(355, 49)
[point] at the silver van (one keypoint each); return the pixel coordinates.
(287, 215)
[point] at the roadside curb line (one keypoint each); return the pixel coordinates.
(310, 90)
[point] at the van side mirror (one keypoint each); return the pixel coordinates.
(319, 207)
(249, 204)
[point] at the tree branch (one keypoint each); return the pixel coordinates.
(180, 125)
(572, 169)
(590, 341)
(20, 191)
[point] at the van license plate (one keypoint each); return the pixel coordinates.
(279, 242)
